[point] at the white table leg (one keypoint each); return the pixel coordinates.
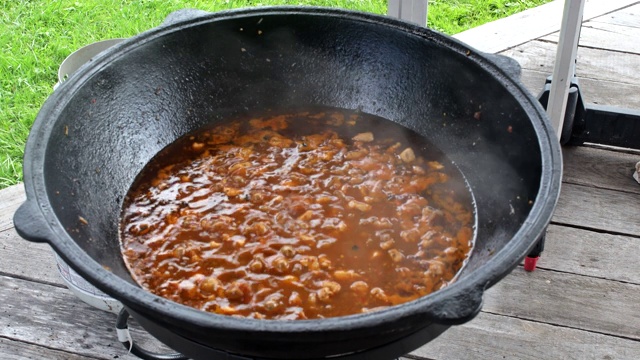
(414, 11)
(564, 67)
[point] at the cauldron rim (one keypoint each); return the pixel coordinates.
(436, 307)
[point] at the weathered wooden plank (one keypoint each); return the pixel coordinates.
(600, 168)
(629, 16)
(606, 36)
(533, 80)
(575, 301)
(598, 209)
(10, 199)
(490, 336)
(593, 91)
(16, 350)
(500, 35)
(49, 316)
(592, 63)
(535, 55)
(52, 317)
(612, 93)
(602, 92)
(68, 298)
(567, 249)
(33, 261)
(591, 253)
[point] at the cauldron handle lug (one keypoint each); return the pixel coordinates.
(30, 223)
(182, 15)
(508, 64)
(458, 309)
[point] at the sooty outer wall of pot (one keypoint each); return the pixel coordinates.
(165, 87)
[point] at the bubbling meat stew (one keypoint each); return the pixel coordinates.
(298, 216)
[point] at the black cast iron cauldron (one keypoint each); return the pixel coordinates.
(93, 136)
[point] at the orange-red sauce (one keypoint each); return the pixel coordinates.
(298, 216)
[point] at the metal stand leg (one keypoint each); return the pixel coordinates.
(531, 260)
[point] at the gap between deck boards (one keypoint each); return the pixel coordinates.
(19, 350)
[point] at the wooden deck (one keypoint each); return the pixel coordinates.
(583, 302)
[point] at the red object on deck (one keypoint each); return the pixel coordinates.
(530, 263)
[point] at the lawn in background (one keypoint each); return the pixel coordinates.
(36, 35)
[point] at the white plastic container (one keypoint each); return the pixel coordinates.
(85, 291)
(81, 56)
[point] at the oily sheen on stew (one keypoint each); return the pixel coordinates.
(297, 216)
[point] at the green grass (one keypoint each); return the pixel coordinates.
(454, 16)
(36, 35)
